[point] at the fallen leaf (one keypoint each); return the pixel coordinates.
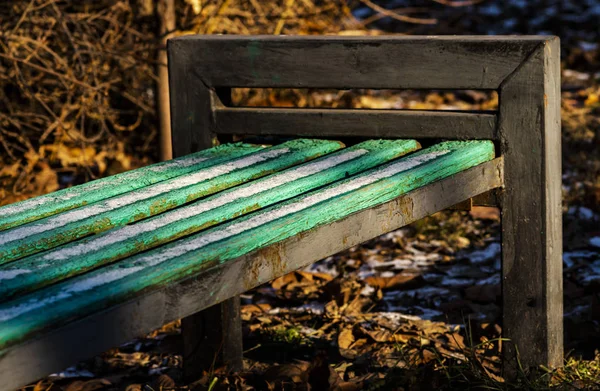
(163, 382)
(11, 170)
(380, 335)
(485, 213)
(321, 376)
(398, 281)
(259, 308)
(345, 338)
(282, 281)
(43, 385)
(89, 385)
(296, 372)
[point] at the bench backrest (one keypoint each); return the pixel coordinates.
(204, 68)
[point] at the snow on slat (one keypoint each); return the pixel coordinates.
(66, 199)
(75, 258)
(151, 200)
(122, 280)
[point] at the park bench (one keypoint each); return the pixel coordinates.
(90, 267)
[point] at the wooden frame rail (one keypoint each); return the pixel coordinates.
(353, 123)
(524, 70)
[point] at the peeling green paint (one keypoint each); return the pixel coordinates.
(66, 199)
(56, 230)
(122, 280)
(195, 217)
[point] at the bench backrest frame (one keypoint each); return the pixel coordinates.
(524, 70)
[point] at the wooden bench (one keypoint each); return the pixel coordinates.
(93, 266)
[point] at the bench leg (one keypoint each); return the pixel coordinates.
(212, 338)
(531, 213)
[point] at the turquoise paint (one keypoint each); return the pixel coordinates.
(22, 318)
(375, 152)
(27, 244)
(104, 188)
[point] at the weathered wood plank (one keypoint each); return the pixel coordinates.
(38, 270)
(138, 316)
(531, 212)
(350, 62)
(350, 123)
(133, 206)
(66, 199)
(93, 291)
(191, 106)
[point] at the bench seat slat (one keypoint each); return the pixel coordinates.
(151, 200)
(39, 270)
(123, 280)
(73, 197)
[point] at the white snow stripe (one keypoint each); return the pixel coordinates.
(126, 232)
(34, 203)
(134, 196)
(12, 273)
(177, 164)
(34, 303)
(160, 256)
(233, 229)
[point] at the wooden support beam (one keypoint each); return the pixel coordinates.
(192, 129)
(299, 122)
(212, 338)
(395, 62)
(532, 289)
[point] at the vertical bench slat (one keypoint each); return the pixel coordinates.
(94, 291)
(63, 200)
(151, 200)
(39, 270)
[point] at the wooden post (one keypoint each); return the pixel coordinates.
(166, 18)
(213, 337)
(529, 125)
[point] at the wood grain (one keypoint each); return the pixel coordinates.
(393, 62)
(531, 212)
(351, 123)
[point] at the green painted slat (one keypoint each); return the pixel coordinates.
(75, 258)
(151, 200)
(122, 280)
(73, 197)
